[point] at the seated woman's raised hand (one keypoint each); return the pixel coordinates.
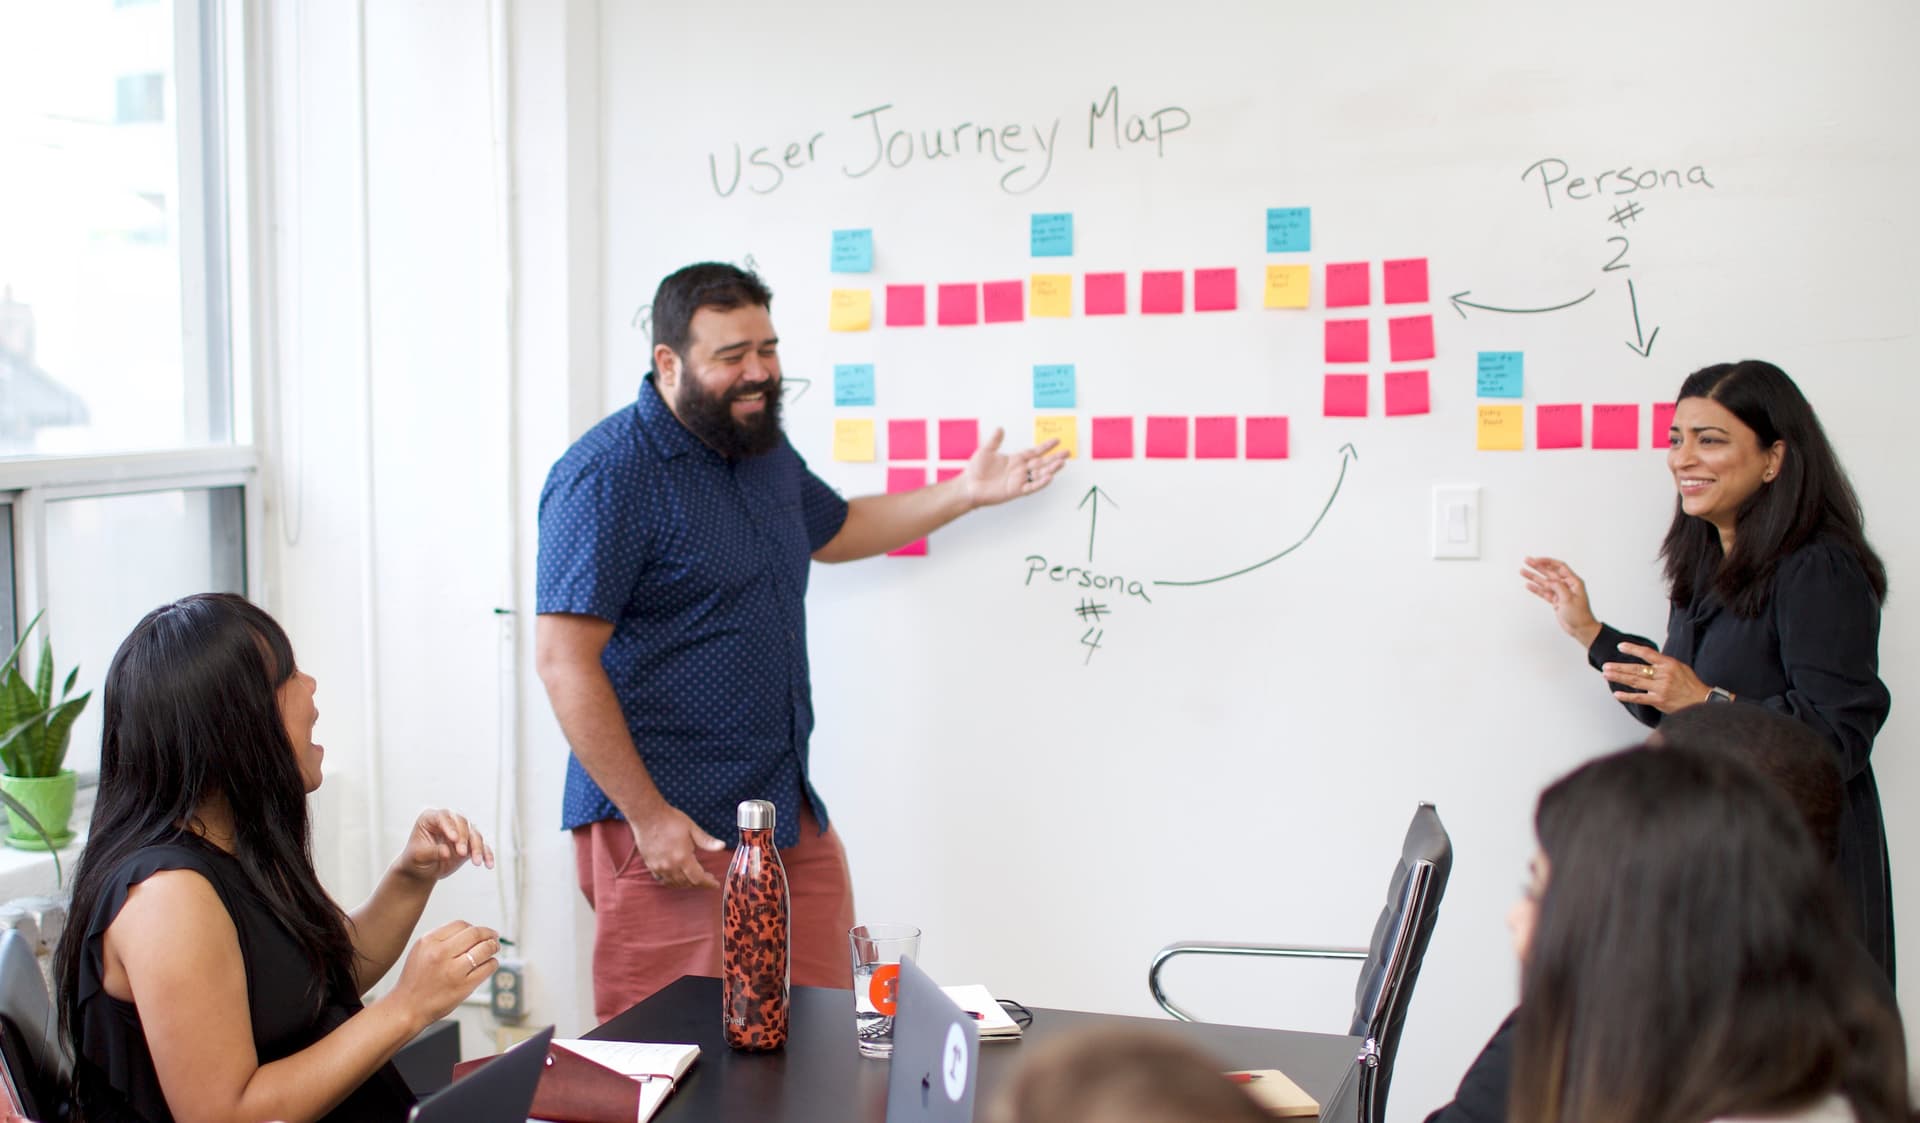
(441, 842)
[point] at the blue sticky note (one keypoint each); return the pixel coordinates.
(853, 384)
(1289, 229)
(853, 251)
(1502, 374)
(1053, 235)
(1053, 386)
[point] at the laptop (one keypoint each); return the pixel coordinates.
(500, 1091)
(936, 1054)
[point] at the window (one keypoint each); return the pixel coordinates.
(8, 627)
(140, 99)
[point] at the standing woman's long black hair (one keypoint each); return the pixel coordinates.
(1811, 497)
(192, 715)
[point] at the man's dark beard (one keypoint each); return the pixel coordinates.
(710, 417)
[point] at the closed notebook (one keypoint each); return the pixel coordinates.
(604, 1081)
(1271, 1089)
(989, 1017)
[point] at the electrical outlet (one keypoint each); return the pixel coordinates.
(509, 997)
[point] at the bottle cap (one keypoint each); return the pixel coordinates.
(756, 815)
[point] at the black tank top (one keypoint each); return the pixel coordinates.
(114, 1077)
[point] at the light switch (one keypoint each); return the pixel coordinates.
(1456, 522)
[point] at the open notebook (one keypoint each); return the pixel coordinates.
(604, 1081)
(990, 1017)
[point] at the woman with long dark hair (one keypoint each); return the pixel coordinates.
(1683, 960)
(1775, 599)
(205, 973)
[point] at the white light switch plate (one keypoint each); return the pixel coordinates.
(1456, 522)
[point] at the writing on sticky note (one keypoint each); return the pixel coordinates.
(1052, 235)
(1266, 438)
(1349, 285)
(907, 479)
(1407, 393)
(958, 438)
(1050, 294)
(1406, 280)
(1005, 301)
(1057, 427)
(1113, 438)
(1167, 438)
(1616, 426)
(907, 440)
(1289, 229)
(1345, 395)
(1106, 294)
(959, 304)
(1410, 338)
(851, 310)
(1163, 292)
(1346, 341)
(1053, 386)
(1663, 424)
(1500, 374)
(906, 306)
(853, 251)
(1216, 438)
(853, 384)
(1557, 426)
(1502, 429)
(1216, 290)
(853, 439)
(1288, 286)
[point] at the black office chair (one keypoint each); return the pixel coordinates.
(1390, 964)
(30, 1047)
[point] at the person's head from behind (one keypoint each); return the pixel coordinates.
(1794, 758)
(717, 359)
(1120, 1076)
(1688, 960)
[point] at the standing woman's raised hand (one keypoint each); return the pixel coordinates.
(1555, 582)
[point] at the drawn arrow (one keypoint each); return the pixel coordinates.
(1461, 306)
(1645, 347)
(805, 384)
(1347, 454)
(1094, 495)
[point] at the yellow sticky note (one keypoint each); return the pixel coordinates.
(853, 438)
(1059, 427)
(1288, 286)
(1050, 294)
(852, 311)
(1502, 428)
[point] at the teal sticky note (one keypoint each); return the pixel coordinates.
(853, 384)
(853, 251)
(1289, 229)
(1053, 235)
(1053, 386)
(1502, 374)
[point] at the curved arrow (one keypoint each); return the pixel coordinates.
(1347, 454)
(1457, 302)
(804, 384)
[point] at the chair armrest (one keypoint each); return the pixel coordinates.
(1214, 947)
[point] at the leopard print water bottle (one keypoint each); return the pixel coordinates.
(755, 936)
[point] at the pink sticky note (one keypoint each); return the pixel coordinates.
(944, 474)
(1406, 280)
(1216, 438)
(1346, 341)
(958, 438)
(1662, 423)
(959, 304)
(1410, 338)
(1557, 426)
(1616, 426)
(1266, 438)
(1349, 285)
(1216, 290)
(1166, 438)
(1163, 292)
(1113, 438)
(1106, 294)
(907, 440)
(1407, 393)
(1345, 395)
(906, 306)
(1006, 302)
(907, 479)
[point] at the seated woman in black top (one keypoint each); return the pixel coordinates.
(205, 973)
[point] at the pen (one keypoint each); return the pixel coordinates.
(1243, 1077)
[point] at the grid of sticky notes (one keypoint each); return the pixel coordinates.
(1165, 437)
(1348, 336)
(1501, 416)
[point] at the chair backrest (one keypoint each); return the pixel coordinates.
(1399, 943)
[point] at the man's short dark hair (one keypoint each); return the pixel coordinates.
(1788, 752)
(710, 284)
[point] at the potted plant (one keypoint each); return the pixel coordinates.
(34, 728)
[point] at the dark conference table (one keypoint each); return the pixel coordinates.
(820, 1077)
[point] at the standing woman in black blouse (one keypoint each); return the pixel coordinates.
(1775, 597)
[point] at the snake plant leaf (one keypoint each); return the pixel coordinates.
(72, 677)
(15, 746)
(20, 696)
(13, 657)
(43, 676)
(18, 810)
(10, 711)
(59, 727)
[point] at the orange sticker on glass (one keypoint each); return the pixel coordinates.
(884, 990)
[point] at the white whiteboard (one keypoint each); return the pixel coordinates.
(1239, 759)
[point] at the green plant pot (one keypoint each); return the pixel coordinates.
(50, 798)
